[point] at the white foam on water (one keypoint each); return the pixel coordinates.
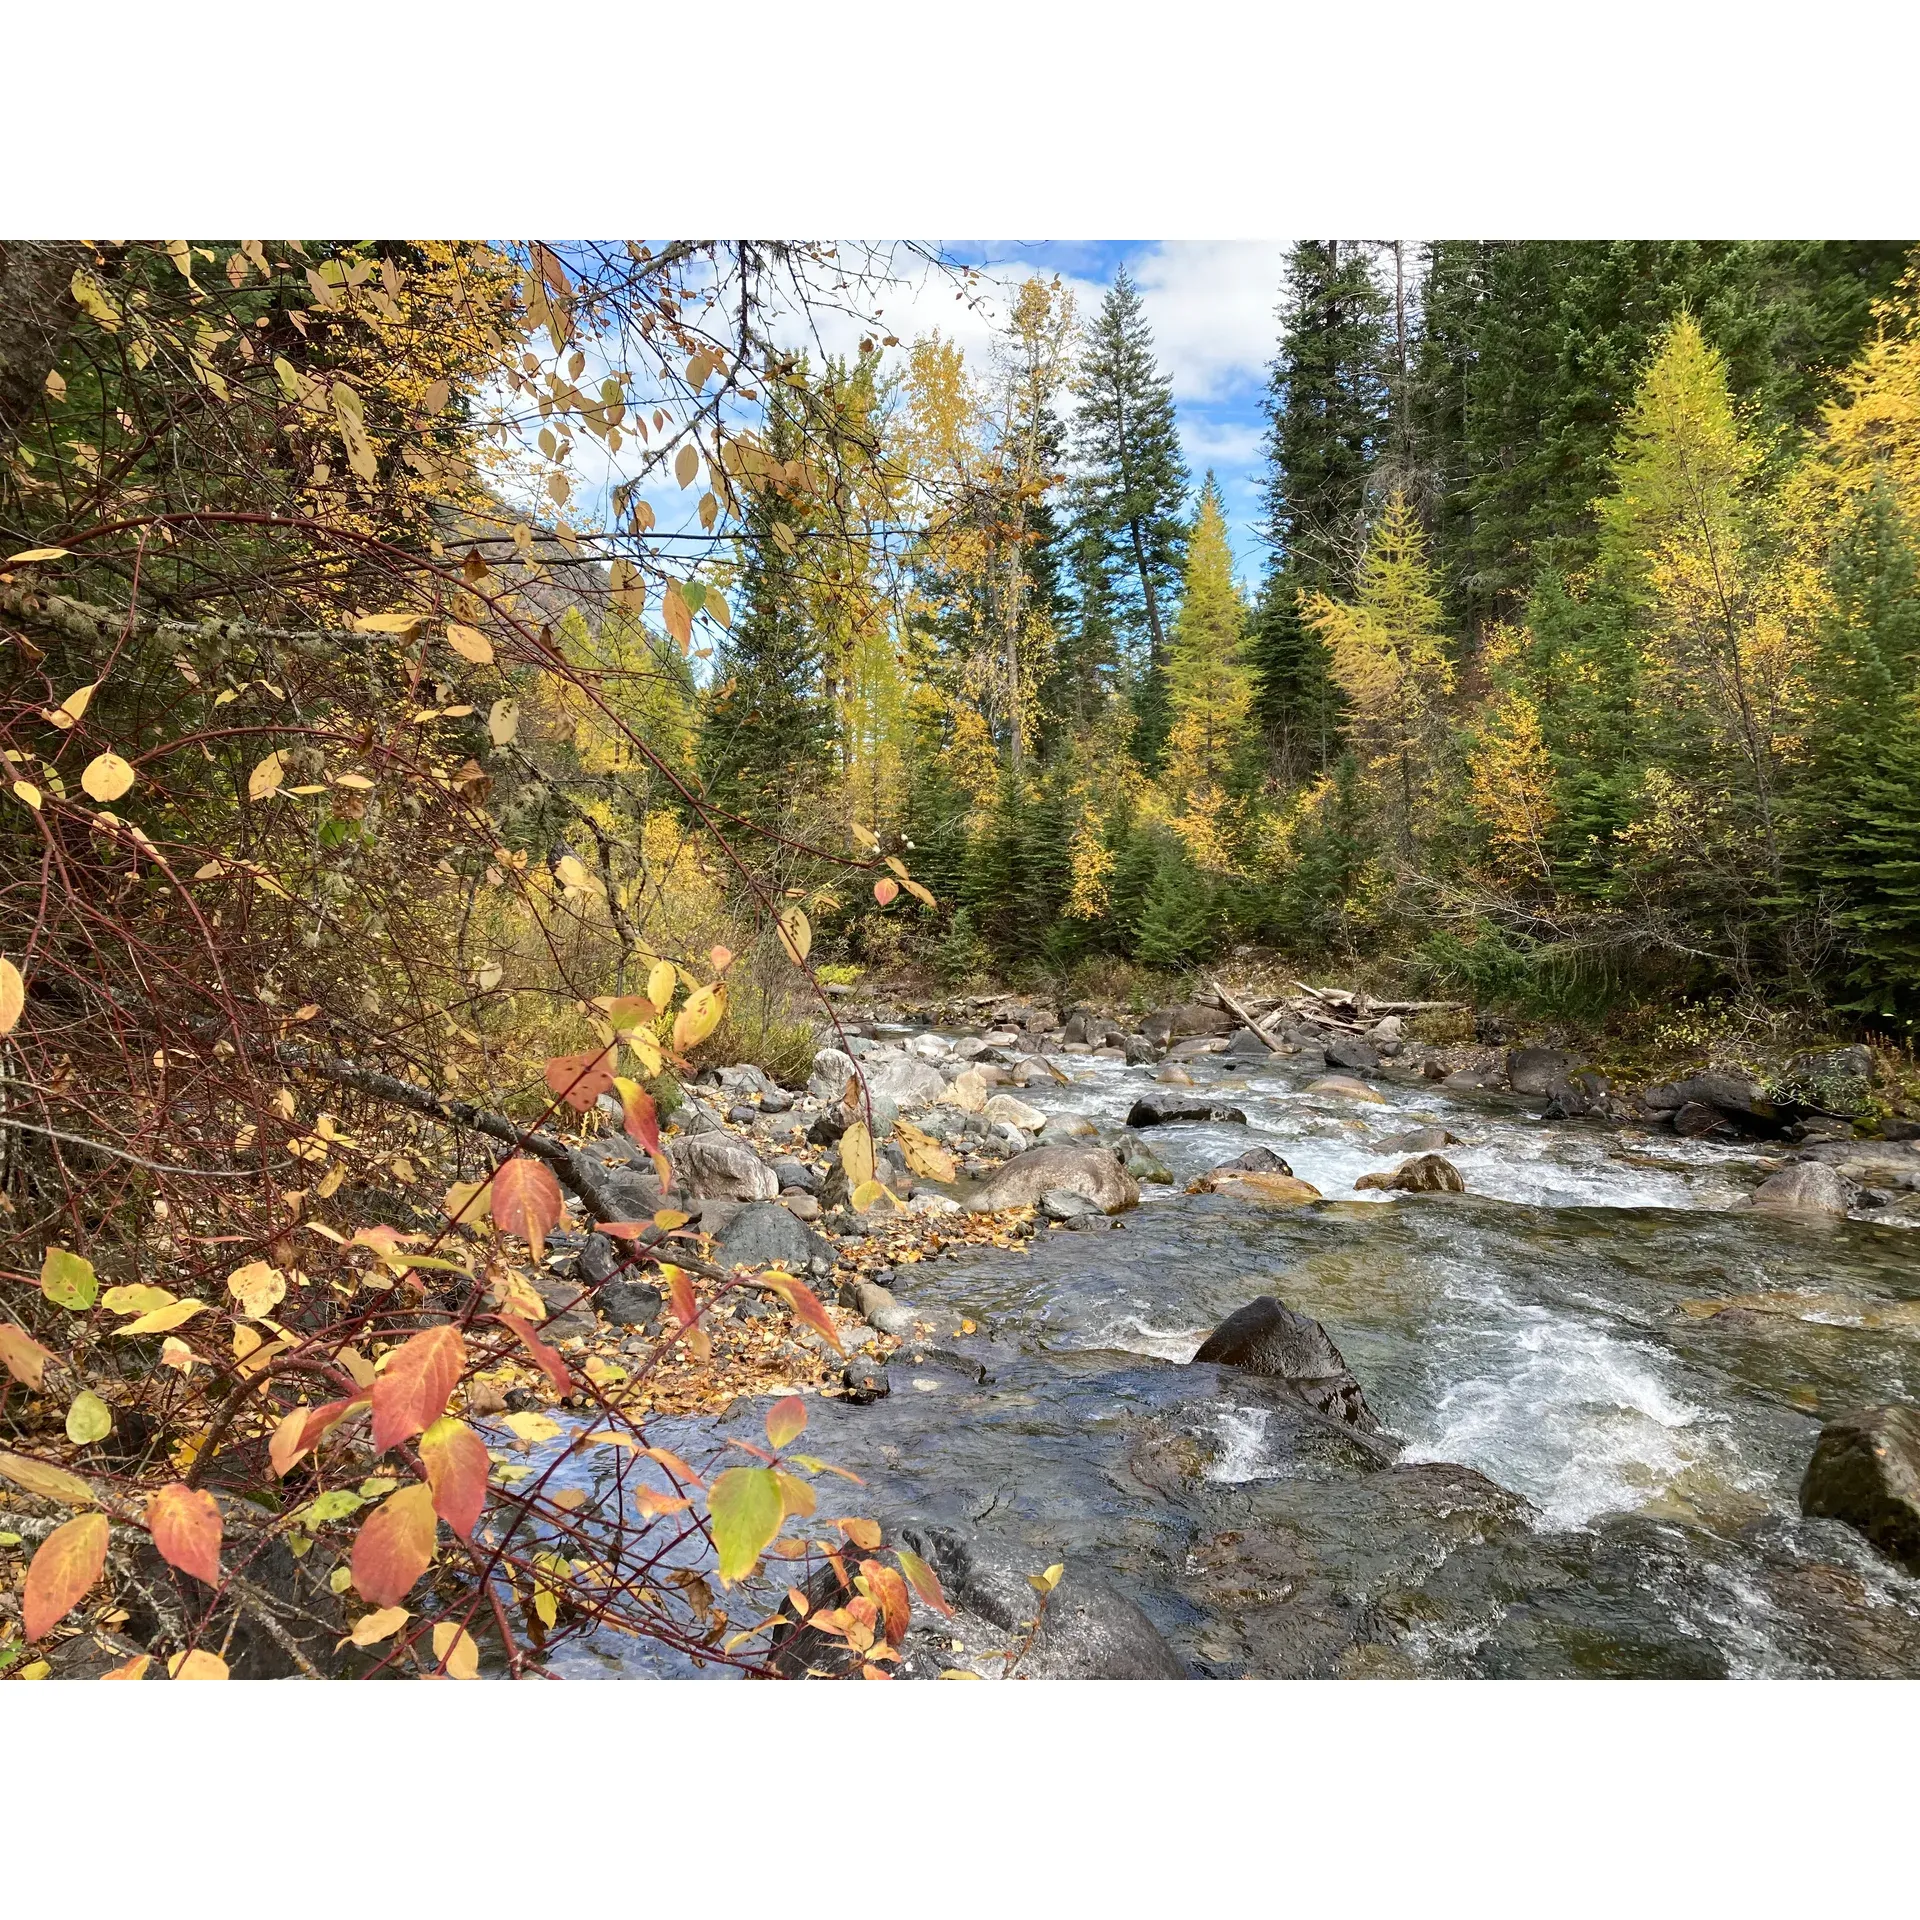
(1582, 1422)
(1243, 1446)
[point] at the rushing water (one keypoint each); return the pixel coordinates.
(1560, 1329)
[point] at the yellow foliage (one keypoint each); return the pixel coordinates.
(1509, 785)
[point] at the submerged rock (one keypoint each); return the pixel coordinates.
(1163, 1109)
(1347, 1089)
(1266, 1337)
(1273, 1189)
(1807, 1188)
(1093, 1172)
(1429, 1173)
(1865, 1470)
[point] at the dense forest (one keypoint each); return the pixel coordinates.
(1583, 662)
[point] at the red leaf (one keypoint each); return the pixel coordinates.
(68, 1563)
(394, 1546)
(322, 1420)
(786, 1420)
(545, 1357)
(526, 1198)
(457, 1468)
(581, 1078)
(185, 1524)
(411, 1393)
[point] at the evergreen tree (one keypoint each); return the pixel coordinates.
(1130, 494)
(1328, 412)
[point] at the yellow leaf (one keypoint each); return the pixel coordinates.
(164, 1319)
(36, 553)
(177, 1354)
(531, 1427)
(796, 935)
(453, 1644)
(503, 722)
(141, 1299)
(471, 644)
(686, 464)
(13, 996)
(868, 1194)
(45, 1482)
(570, 873)
(404, 624)
(371, 1628)
(197, 1665)
(73, 708)
(705, 1008)
(106, 777)
(88, 1419)
(258, 1287)
(856, 1154)
(266, 776)
(27, 794)
(660, 983)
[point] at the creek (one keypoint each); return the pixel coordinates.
(1638, 1366)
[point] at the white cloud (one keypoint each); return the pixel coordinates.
(1212, 305)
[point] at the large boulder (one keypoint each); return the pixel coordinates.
(967, 1091)
(767, 1234)
(1266, 1337)
(1428, 1173)
(1809, 1188)
(1836, 1080)
(1248, 1045)
(1737, 1095)
(1093, 1172)
(1004, 1110)
(1168, 1024)
(832, 1069)
(1538, 1070)
(716, 1166)
(1356, 1055)
(1865, 1470)
(1162, 1109)
(908, 1082)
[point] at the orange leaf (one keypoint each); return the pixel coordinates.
(674, 1465)
(680, 1301)
(526, 1199)
(886, 891)
(134, 1669)
(656, 1505)
(411, 1394)
(197, 1665)
(68, 1563)
(545, 1357)
(285, 1447)
(457, 1468)
(806, 1306)
(925, 1582)
(185, 1524)
(786, 1420)
(890, 1590)
(863, 1533)
(395, 1546)
(23, 1356)
(322, 1420)
(580, 1078)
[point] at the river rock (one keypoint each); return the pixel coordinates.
(1808, 1188)
(1538, 1070)
(968, 1091)
(1356, 1055)
(1163, 1109)
(1076, 1126)
(792, 1172)
(1726, 1091)
(1865, 1470)
(1004, 1110)
(744, 1079)
(1836, 1080)
(1266, 1337)
(569, 1313)
(1429, 1173)
(1271, 1189)
(1168, 1024)
(1254, 1160)
(908, 1082)
(1247, 1045)
(768, 1235)
(800, 1203)
(1695, 1118)
(832, 1069)
(719, 1167)
(1174, 1075)
(1092, 1171)
(1348, 1089)
(1062, 1203)
(629, 1194)
(1418, 1140)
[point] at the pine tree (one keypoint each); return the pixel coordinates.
(1130, 493)
(1328, 411)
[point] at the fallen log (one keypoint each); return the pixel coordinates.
(1240, 1013)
